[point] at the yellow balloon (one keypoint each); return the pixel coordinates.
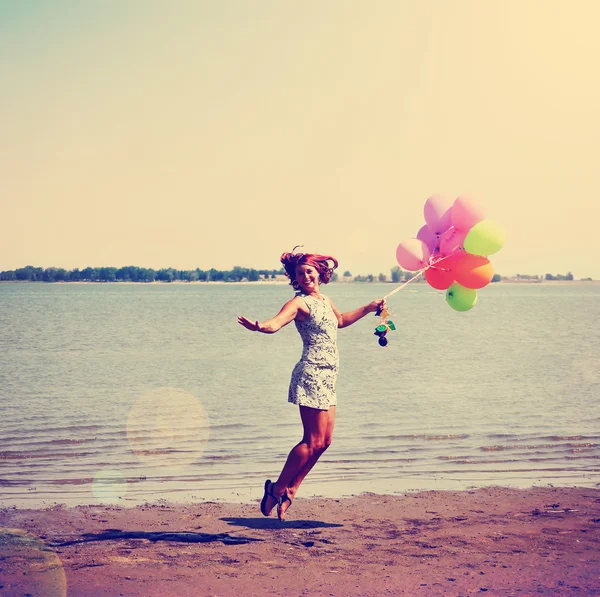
(485, 238)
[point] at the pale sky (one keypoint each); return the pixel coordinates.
(220, 133)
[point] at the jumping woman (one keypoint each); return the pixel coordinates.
(312, 386)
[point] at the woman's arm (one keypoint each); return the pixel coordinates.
(270, 326)
(346, 319)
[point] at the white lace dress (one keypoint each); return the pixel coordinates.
(314, 376)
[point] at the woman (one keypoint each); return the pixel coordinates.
(312, 386)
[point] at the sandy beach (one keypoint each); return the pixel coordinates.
(494, 541)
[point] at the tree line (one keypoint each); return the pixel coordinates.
(132, 273)
(534, 278)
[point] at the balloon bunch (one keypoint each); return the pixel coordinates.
(452, 249)
(385, 325)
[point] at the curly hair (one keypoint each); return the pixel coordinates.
(321, 263)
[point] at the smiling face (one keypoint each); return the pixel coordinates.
(307, 277)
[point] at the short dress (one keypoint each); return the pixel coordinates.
(315, 374)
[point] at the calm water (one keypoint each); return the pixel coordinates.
(130, 393)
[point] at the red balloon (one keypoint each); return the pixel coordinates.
(440, 276)
(473, 271)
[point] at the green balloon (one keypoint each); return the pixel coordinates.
(461, 298)
(485, 238)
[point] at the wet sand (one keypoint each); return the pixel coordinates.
(493, 541)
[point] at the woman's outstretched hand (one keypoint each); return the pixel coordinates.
(376, 305)
(253, 326)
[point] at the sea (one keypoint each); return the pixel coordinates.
(138, 393)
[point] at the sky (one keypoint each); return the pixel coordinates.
(194, 133)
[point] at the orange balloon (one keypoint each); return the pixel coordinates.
(439, 277)
(473, 271)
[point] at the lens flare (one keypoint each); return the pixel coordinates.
(168, 427)
(29, 566)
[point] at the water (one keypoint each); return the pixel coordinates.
(129, 393)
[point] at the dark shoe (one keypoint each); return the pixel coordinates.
(268, 492)
(284, 498)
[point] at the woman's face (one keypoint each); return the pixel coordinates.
(307, 277)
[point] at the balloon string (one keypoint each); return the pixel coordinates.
(434, 263)
(405, 283)
(430, 264)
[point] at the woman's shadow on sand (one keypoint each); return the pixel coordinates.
(182, 537)
(275, 523)
(195, 537)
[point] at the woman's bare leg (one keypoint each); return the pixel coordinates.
(305, 454)
(294, 484)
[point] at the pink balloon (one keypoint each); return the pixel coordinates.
(429, 237)
(438, 213)
(412, 254)
(466, 212)
(452, 240)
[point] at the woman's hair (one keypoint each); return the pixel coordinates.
(320, 262)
